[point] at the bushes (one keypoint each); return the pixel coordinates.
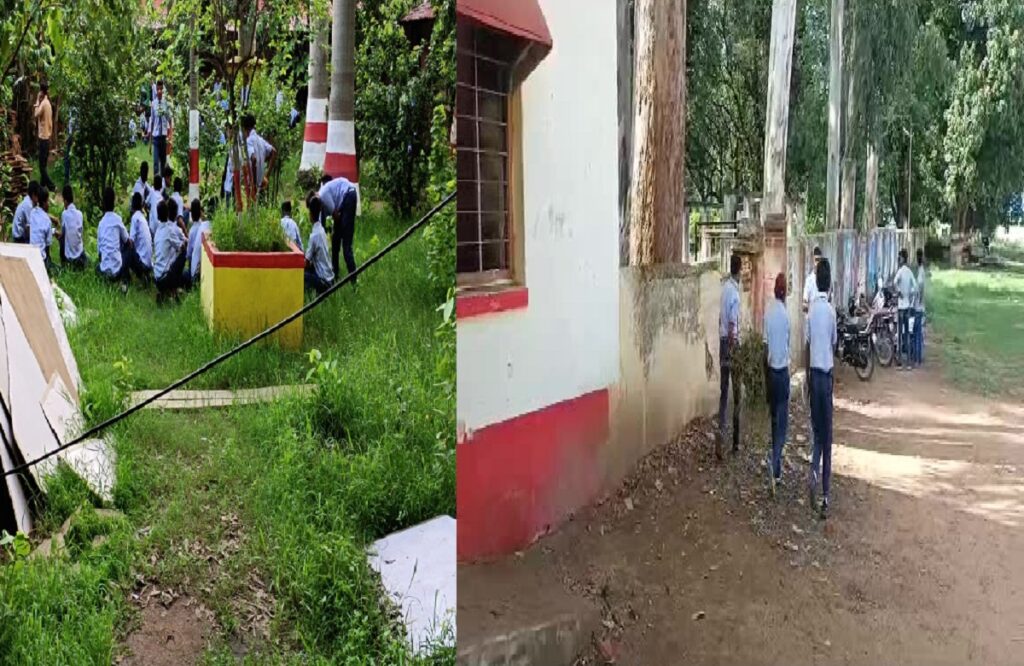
(253, 230)
(748, 366)
(440, 233)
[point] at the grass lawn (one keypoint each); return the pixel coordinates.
(269, 506)
(979, 315)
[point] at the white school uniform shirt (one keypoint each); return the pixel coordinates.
(905, 285)
(259, 149)
(318, 255)
(181, 203)
(22, 214)
(820, 333)
(167, 243)
(332, 193)
(71, 224)
(922, 277)
(154, 200)
(110, 237)
(776, 335)
(195, 246)
(141, 237)
(810, 287)
(40, 230)
(291, 230)
(160, 120)
(143, 189)
(730, 309)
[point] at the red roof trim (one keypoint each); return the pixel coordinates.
(472, 305)
(521, 18)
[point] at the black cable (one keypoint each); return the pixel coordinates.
(248, 343)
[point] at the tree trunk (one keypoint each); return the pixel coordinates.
(314, 143)
(625, 77)
(340, 159)
(193, 121)
(871, 189)
(848, 193)
(835, 105)
(780, 66)
(657, 196)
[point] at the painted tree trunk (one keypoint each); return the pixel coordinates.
(193, 123)
(340, 159)
(657, 194)
(314, 141)
(871, 189)
(835, 119)
(780, 65)
(848, 194)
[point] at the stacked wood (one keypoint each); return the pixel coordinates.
(21, 171)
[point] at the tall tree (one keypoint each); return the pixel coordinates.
(657, 197)
(835, 114)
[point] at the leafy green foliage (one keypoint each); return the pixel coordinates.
(748, 365)
(440, 233)
(396, 98)
(256, 229)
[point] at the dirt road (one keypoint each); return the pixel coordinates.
(692, 562)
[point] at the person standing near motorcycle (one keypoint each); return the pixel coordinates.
(810, 283)
(820, 336)
(918, 336)
(906, 286)
(728, 338)
(776, 337)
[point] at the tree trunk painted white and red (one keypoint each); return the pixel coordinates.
(657, 195)
(776, 135)
(341, 129)
(193, 125)
(314, 141)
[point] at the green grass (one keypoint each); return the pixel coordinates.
(980, 318)
(289, 493)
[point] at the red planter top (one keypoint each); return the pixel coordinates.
(294, 258)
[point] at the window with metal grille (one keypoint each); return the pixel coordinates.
(484, 70)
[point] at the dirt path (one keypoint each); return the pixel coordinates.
(921, 561)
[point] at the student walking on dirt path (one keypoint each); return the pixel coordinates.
(810, 283)
(820, 338)
(728, 339)
(776, 338)
(918, 333)
(43, 114)
(906, 285)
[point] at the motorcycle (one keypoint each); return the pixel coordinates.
(854, 343)
(884, 329)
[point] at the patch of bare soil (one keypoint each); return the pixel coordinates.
(173, 635)
(692, 561)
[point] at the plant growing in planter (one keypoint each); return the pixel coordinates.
(252, 276)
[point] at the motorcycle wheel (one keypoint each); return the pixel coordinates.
(885, 348)
(864, 374)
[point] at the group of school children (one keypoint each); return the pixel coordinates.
(163, 241)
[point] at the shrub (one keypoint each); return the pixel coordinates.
(440, 233)
(308, 180)
(254, 230)
(748, 364)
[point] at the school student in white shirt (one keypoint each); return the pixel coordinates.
(117, 257)
(23, 213)
(155, 198)
(141, 185)
(260, 153)
(176, 196)
(810, 285)
(196, 232)
(339, 199)
(918, 333)
(776, 338)
(288, 225)
(169, 245)
(41, 227)
(319, 274)
(138, 231)
(820, 337)
(728, 341)
(72, 251)
(906, 286)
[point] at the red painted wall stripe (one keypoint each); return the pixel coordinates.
(475, 305)
(521, 478)
(293, 259)
(338, 164)
(315, 132)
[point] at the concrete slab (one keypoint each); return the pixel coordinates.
(417, 568)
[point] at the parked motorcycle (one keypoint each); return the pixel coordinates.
(854, 345)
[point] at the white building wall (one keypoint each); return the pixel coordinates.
(566, 342)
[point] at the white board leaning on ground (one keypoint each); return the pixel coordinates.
(39, 388)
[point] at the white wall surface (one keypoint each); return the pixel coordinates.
(566, 343)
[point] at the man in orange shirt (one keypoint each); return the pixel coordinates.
(43, 114)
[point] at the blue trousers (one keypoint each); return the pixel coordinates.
(821, 423)
(918, 337)
(903, 348)
(725, 363)
(315, 282)
(778, 381)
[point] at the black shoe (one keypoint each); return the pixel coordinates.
(823, 511)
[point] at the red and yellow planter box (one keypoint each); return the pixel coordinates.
(244, 292)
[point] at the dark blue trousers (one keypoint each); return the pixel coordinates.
(778, 381)
(821, 423)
